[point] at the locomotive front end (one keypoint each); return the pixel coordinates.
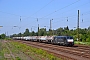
(70, 40)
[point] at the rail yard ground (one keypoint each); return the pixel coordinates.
(26, 50)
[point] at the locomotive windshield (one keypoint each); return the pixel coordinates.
(69, 37)
(61, 38)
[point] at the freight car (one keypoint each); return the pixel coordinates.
(61, 40)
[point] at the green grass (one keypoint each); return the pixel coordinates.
(1, 52)
(23, 51)
(35, 53)
(4, 50)
(18, 54)
(82, 43)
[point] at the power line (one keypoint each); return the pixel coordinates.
(86, 13)
(71, 16)
(75, 7)
(62, 8)
(48, 4)
(42, 8)
(9, 13)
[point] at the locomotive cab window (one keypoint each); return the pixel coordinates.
(69, 37)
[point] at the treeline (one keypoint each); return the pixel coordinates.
(2, 36)
(84, 34)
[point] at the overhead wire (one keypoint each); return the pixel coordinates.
(9, 13)
(36, 11)
(75, 15)
(67, 18)
(62, 8)
(41, 8)
(66, 11)
(44, 7)
(86, 13)
(74, 8)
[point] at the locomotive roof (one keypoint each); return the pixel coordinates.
(63, 36)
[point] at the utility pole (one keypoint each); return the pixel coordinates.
(20, 18)
(78, 26)
(38, 27)
(31, 31)
(51, 27)
(20, 27)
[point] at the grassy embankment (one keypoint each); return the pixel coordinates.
(19, 51)
(82, 43)
(1, 51)
(34, 53)
(4, 52)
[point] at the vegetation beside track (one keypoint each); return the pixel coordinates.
(82, 43)
(84, 33)
(12, 50)
(1, 51)
(9, 52)
(4, 52)
(35, 53)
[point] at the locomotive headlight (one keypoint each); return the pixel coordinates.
(70, 40)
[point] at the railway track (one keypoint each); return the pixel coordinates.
(70, 50)
(75, 52)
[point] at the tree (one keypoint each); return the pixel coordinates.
(3, 36)
(0, 36)
(19, 35)
(33, 33)
(66, 28)
(59, 31)
(42, 32)
(84, 34)
(26, 33)
(89, 28)
(15, 35)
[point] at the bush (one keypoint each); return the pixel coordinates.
(88, 39)
(8, 39)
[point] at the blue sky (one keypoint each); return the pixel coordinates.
(44, 11)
